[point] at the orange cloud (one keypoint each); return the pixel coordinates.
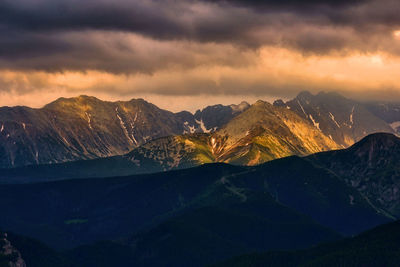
(276, 72)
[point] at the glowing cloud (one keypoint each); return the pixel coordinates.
(119, 49)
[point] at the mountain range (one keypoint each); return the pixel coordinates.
(158, 140)
(302, 126)
(85, 128)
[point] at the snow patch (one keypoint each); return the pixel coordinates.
(333, 118)
(132, 127)
(134, 139)
(351, 117)
(213, 143)
(302, 108)
(316, 124)
(65, 140)
(122, 123)
(202, 126)
(89, 120)
(192, 128)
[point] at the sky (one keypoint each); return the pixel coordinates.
(186, 54)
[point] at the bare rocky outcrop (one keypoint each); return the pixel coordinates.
(9, 251)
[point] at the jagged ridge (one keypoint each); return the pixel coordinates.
(85, 127)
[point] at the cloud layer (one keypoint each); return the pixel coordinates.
(192, 47)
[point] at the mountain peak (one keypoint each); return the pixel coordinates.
(80, 98)
(304, 94)
(240, 107)
(378, 140)
(72, 100)
(377, 146)
(137, 100)
(261, 103)
(279, 103)
(322, 94)
(86, 97)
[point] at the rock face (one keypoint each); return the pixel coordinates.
(343, 120)
(9, 256)
(389, 112)
(265, 132)
(86, 127)
(213, 117)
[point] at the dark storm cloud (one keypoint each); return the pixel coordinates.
(158, 19)
(289, 4)
(64, 34)
(163, 20)
(114, 52)
(135, 16)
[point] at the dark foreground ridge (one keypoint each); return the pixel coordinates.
(377, 247)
